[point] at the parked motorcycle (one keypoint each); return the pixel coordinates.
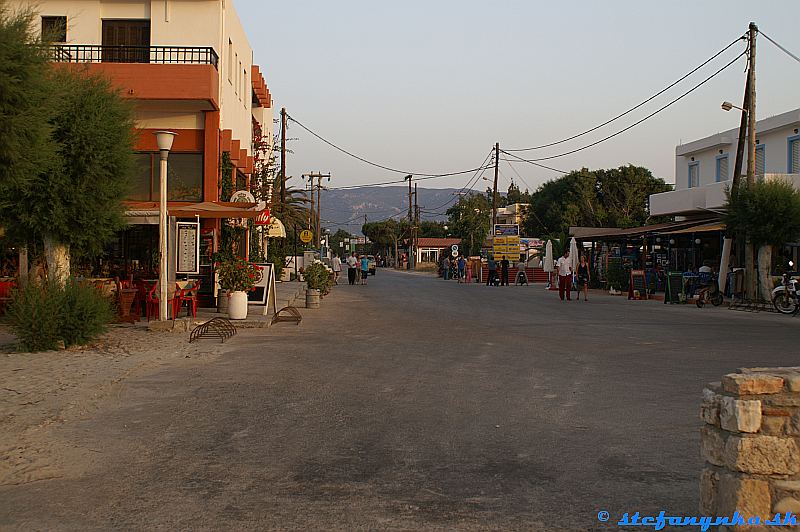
(786, 297)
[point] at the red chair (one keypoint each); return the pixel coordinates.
(153, 303)
(189, 296)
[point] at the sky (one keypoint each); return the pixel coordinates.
(428, 87)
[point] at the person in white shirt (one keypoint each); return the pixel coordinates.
(564, 266)
(352, 268)
(336, 265)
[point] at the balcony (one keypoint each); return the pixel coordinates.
(164, 73)
(160, 55)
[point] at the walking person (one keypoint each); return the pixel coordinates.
(364, 269)
(504, 264)
(446, 268)
(564, 268)
(336, 266)
(492, 265)
(462, 267)
(352, 268)
(583, 279)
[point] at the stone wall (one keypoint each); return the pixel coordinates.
(751, 443)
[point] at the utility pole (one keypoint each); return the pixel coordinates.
(415, 230)
(750, 267)
(410, 222)
(494, 190)
(315, 217)
(283, 156)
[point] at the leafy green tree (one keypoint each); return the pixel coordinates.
(768, 214)
(431, 229)
(387, 233)
(599, 198)
(339, 236)
(25, 99)
(75, 204)
(469, 219)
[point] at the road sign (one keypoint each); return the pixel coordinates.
(306, 236)
(454, 253)
(454, 247)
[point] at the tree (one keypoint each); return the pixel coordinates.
(431, 229)
(767, 213)
(469, 219)
(74, 205)
(599, 198)
(25, 99)
(387, 232)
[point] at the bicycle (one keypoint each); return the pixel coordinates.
(709, 291)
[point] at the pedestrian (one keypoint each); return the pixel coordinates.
(352, 268)
(469, 272)
(504, 271)
(446, 268)
(492, 265)
(583, 279)
(364, 269)
(564, 267)
(462, 267)
(336, 265)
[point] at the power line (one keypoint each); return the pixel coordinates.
(787, 52)
(623, 130)
(520, 159)
(417, 175)
(469, 184)
(527, 186)
(637, 106)
(364, 185)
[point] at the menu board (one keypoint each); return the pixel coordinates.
(188, 252)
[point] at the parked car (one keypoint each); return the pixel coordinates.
(371, 263)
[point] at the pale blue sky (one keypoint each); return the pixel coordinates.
(429, 86)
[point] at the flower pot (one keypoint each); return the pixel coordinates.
(237, 305)
(312, 298)
(222, 301)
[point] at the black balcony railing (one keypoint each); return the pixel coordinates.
(162, 55)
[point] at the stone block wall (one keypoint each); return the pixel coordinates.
(750, 442)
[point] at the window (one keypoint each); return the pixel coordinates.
(761, 160)
(794, 155)
(244, 87)
(722, 168)
(230, 61)
(54, 29)
(236, 81)
(184, 177)
(694, 175)
(131, 36)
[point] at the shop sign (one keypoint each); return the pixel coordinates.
(263, 218)
(188, 252)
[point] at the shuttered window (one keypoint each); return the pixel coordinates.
(761, 161)
(794, 156)
(694, 175)
(722, 168)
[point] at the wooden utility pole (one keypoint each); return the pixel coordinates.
(283, 156)
(410, 222)
(315, 217)
(415, 229)
(494, 190)
(750, 267)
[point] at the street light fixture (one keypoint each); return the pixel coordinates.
(164, 140)
(727, 106)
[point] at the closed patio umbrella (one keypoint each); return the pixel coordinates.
(573, 253)
(548, 257)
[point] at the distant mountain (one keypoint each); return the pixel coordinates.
(345, 209)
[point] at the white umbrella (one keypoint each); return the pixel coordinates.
(548, 257)
(573, 253)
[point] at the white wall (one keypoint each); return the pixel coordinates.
(235, 100)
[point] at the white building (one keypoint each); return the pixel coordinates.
(704, 168)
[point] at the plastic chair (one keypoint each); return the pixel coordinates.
(153, 303)
(188, 296)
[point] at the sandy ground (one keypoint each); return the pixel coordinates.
(42, 392)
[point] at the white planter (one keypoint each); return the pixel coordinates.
(237, 305)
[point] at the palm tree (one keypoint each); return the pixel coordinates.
(294, 210)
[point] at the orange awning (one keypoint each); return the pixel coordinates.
(215, 209)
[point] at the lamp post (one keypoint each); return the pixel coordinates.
(164, 140)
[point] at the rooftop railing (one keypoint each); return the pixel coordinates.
(162, 55)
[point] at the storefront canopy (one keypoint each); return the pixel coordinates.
(146, 213)
(275, 229)
(615, 233)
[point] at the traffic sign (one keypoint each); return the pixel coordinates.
(454, 247)
(306, 236)
(454, 253)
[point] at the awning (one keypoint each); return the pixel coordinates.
(616, 233)
(275, 229)
(215, 209)
(705, 228)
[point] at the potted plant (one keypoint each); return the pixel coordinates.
(318, 282)
(237, 277)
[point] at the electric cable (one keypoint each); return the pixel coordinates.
(623, 130)
(535, 164)
(637, 106)
(787, 52)
(418, 175)
(470, 183)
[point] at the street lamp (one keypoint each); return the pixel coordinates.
(727, 106)
(164, 140)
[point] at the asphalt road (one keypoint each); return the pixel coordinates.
(415, 403)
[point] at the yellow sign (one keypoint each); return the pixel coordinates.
(306, 236)
(506, 246)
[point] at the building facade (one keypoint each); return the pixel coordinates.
(188, 67)
(704, 168)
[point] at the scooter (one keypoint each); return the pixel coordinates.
(786, 297)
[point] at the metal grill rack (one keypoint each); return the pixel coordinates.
(213, 328)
